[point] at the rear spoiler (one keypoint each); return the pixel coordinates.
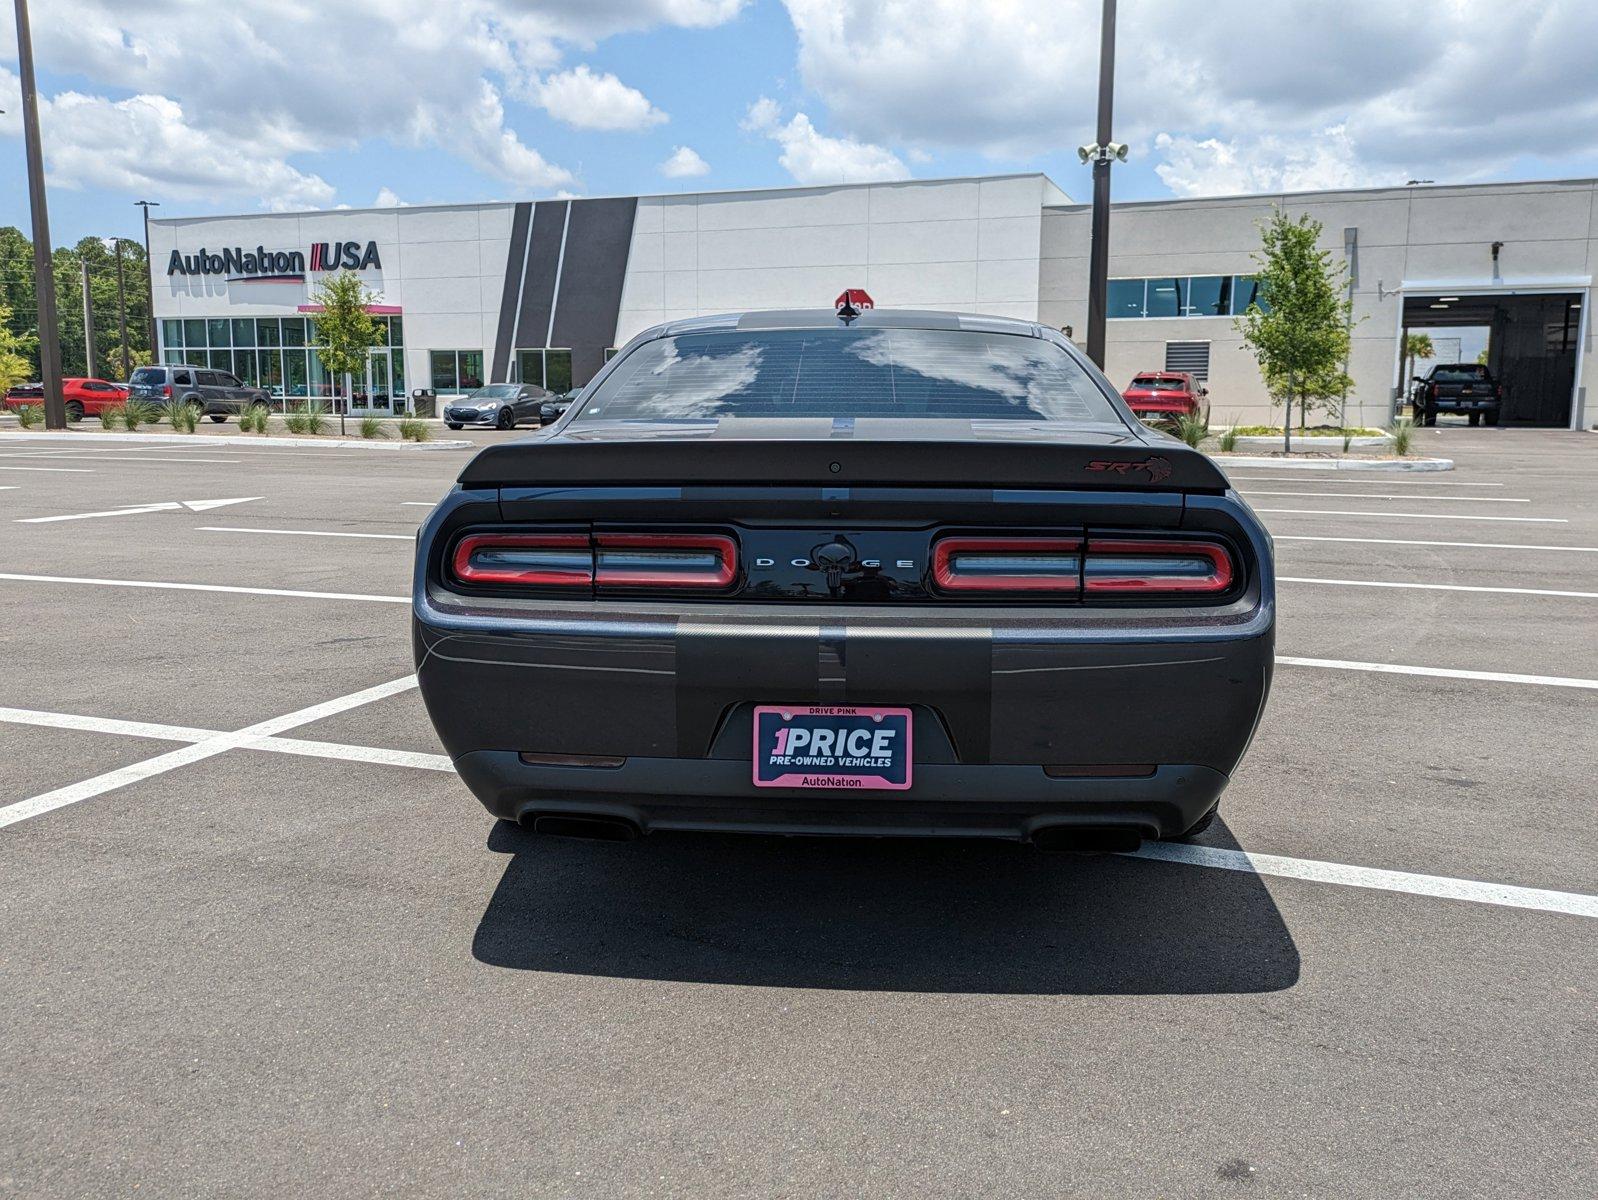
(854, 462)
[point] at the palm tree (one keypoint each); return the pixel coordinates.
(1416, 345)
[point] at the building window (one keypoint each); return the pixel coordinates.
(1183, 296)
(172, 334)
(549, 369)
(456, 370)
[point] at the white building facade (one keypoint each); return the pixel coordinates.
(541, 291)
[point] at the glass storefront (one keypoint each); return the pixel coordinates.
(279, 354)
(1184, 296)
(549, 369)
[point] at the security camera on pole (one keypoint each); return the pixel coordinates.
(1101, 154)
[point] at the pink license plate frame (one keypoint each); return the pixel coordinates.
(829, 770)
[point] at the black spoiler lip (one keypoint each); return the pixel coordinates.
(1089, 461)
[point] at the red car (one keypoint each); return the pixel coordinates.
(84, 397)
(1165, 395)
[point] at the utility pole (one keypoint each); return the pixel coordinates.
(149, 276)
(1099, 254)
(88, 324)
(55, 411)
(122, 317)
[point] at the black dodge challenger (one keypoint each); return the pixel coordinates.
(885, 573)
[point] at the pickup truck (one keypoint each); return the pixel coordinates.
(1466, 388)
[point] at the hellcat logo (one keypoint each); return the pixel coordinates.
(275, 266)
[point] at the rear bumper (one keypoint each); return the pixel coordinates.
(954, 800)
(1463, 406)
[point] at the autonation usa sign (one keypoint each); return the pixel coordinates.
(275, 266)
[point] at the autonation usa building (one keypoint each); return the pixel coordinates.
(542, 291)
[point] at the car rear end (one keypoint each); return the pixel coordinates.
(1466, 389)
(150, 385)
(944, 625)
(1157, 397)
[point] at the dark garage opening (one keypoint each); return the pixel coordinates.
(1531, 350)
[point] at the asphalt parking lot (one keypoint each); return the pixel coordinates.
(258, 940)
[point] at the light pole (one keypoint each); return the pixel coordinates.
(55, 412)
(1101, 154)
(149, 276)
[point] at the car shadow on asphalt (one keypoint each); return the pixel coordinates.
(882, 915)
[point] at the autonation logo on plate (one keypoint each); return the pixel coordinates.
(821, 746)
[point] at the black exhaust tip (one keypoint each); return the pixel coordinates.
(598, 829)
(1088, 839)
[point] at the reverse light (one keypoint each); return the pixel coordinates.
(1008, 564)
(1115, 567)
(674, 560)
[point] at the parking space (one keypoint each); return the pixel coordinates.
(259, 938)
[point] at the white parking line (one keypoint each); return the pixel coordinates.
(60, 797)
(1441, 886)
(420, 503)
(1395, 496)
(1364, 481)
(207, 587)
(1440, 587)
(102, 457)
(398, 537)
(262, 736)
(1336, 664)
(1431, 516)
(54, 470)
(1301, 537)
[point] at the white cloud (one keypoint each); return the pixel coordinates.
(262, 83)
(387, 197)
(1446, 89)
(684, 163)
(812, 157)
(588, 101)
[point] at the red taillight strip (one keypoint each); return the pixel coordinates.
(723, 547)
(946, 575)
(1131, 581)
(548, 575)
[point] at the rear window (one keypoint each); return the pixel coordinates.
(849, 373)
(1154, 383)
(1465, 374)
(149, 375)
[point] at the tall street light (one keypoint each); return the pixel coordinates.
(149, 275)
(55, 412)
(1101, 154)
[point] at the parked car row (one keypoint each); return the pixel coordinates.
(506, 405)
(84, 397)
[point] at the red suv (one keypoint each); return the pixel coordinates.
(1165, 395)
(84, 397)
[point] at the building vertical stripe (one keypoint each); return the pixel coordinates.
(543, 259)
(560, 262)
(510, 293)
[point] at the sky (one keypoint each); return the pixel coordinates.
(223, 107)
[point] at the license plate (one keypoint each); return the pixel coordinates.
(832, 746)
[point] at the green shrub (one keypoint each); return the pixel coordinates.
(315, 417)
(295, 419)
(373, 427)
(28, 416)
(1229, 439)
(1192, 429)
(1348, 439)
(136, 413)
(111, 416)
(256, 418)
(180, 416)
(1403, 431)
(412, 429)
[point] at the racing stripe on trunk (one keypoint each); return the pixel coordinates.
(722, 661)
(949, 669)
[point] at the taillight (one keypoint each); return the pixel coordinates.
(1155, 568)
(706, 561)
(166, 391)
(1008, 564)
(532, 560)
(675, 560)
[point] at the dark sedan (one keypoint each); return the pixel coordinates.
(499, 406)
(889, 573)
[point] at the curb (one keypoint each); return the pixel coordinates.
(236, 441)
(1334, 464)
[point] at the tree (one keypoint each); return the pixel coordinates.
(1301, 337)
(1416, 345)
(346, 330)
(16, 349)
(1481, 358)
(17, 292)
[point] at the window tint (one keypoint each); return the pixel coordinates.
(849, 373)
(1166, 297)
(1468, 373)
(183, 377)
(1209, 296)
(228, 381)
(1125, 298)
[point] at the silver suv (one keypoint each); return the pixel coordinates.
(215, 393)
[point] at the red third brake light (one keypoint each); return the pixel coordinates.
(1008, 564)
(531, 560)
(1155, 568)
(676, 560)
